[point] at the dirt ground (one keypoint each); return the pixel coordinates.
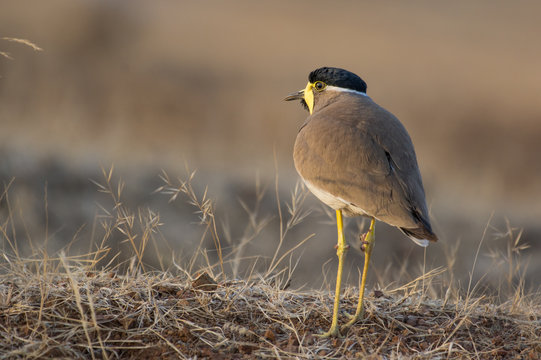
(106, 315)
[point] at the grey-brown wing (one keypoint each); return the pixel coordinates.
(368, 162)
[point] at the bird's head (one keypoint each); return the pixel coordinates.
(323, 80)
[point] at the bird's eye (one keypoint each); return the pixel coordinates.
(320, 85)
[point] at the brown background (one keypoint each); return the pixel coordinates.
(151, 85)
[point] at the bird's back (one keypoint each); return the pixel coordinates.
(362, 156)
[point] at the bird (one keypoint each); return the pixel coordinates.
(358, 158)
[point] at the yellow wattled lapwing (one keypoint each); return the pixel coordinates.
(358, 158)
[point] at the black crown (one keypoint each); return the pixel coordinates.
(338, 77)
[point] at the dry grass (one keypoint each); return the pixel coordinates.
(75, 313)
(28, 43)
(88, 306)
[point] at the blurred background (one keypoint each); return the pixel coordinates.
(157, 85)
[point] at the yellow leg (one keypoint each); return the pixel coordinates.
(368, 246)
(341, 249)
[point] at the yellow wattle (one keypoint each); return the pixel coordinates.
(309, 96)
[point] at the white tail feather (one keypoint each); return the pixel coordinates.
(420, 242)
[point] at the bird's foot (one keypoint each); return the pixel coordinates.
(352, 320)
(334, 331)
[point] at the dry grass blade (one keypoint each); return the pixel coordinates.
(24, 42)
(78, 301)
(6, 55)
(28, 43)
(204, 205)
